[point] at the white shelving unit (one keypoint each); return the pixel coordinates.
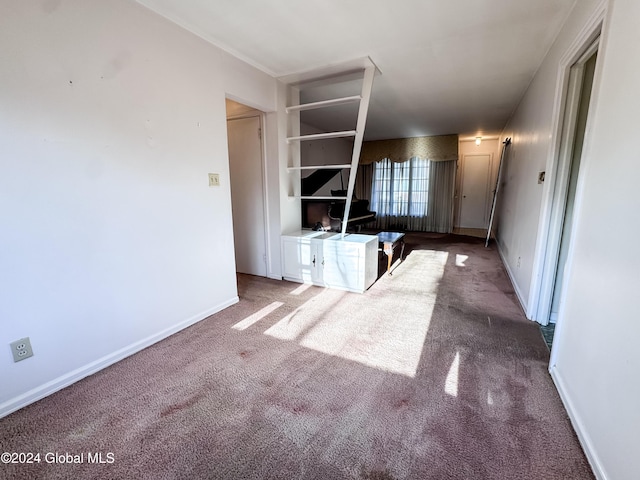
(365, 70)
(336, 260)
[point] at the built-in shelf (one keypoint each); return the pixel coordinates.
(317, 197)
(362, 70)
(320, 167)
(320, 136)
(324, 103)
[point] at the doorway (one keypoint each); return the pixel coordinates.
(244, 135)
(581, 76)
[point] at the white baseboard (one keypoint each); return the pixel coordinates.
(578, 426)
(63, 381)
(516, 288)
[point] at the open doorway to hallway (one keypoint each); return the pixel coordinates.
(246, 170)
(578, 98)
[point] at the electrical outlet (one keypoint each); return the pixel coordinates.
(21, 349)
(214, 180)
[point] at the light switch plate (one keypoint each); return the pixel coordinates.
(541, 177)
(214, 180)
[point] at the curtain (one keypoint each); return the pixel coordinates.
(364, 181)
(416, 195)
(441, 190)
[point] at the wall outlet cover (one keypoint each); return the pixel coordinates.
(21, 349)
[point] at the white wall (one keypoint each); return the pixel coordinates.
(532, 131)
(111, 117)
(597, 359)
(595, 355)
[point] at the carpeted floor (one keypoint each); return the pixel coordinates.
(433, 373)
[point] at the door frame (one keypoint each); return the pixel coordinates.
(263, 164)
(557, 174)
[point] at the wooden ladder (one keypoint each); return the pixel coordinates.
(363, 69)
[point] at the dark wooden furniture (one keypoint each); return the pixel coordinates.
(388, 242)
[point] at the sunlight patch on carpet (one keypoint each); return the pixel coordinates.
(306, 316)
(370, 328)
(256, 317)
(451, 382)
(301, 289)
(460, 259)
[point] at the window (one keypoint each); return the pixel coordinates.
(401, 189)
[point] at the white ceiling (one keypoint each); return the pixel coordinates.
(448, 66)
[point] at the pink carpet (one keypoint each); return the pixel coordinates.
(433, 373)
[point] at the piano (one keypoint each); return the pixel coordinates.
(327, 214)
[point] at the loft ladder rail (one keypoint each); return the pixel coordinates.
(367, 84)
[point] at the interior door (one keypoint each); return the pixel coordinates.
(247, 195)
(584, 73)
(474, 202)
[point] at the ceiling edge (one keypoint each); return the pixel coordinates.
(206, 37)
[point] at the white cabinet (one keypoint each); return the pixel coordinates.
(302, 256)
(328, 259)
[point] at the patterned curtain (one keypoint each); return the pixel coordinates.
(438, 148)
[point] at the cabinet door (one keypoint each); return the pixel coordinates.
(297, 260)
(343, 271)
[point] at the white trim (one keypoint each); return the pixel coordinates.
(265, 195)
(70, 378)
(559, 187)
(578, 425)
(514, 284)
(539, 281)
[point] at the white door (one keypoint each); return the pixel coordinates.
(475, 191)
(247, 195)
